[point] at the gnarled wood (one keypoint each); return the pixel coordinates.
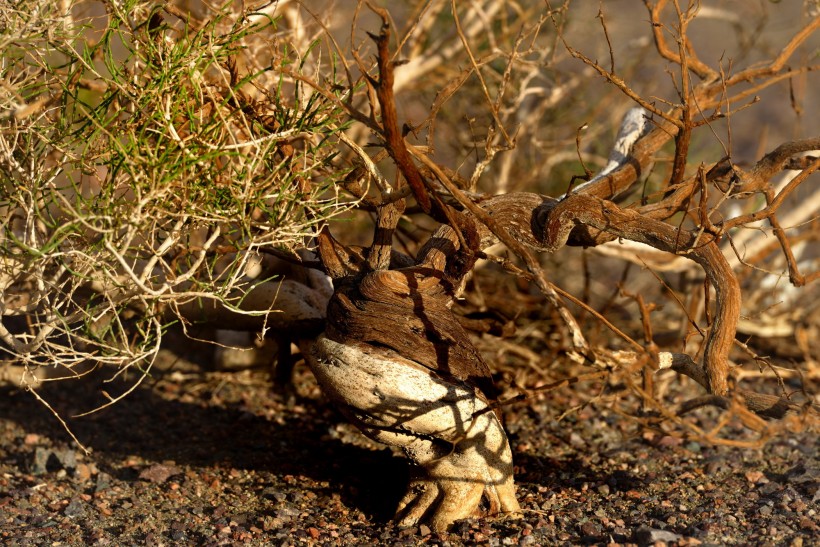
(443, 425)
(399, 364)
(559, 220)
(395, 358)
(766, 406)
(408, 312)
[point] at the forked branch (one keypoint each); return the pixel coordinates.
(557, 222)
(394, 140)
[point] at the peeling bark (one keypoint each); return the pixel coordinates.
(398, 363)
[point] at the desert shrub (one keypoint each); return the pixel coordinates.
(142, 171)
(153, 156)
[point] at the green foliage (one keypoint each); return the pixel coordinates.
(140, 163)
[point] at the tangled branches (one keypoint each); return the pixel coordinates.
(161, 165)
(150, 186)
(587, 216)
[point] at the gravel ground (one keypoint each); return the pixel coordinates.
(203, 457)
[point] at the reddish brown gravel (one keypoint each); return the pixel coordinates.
(199, 457)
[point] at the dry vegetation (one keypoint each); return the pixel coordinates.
(166, 166)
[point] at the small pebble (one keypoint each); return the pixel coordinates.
(646, 535)
(75, 508)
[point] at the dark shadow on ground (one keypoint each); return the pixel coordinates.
(157, 429)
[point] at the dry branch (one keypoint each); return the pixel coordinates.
(558, 221)
(766, 406)
(389, 121)
(192, 182)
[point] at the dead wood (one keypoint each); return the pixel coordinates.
(393, 137)
(558, 221)
(408, 311)
(766, 406)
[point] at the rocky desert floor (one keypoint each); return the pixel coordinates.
(201, 456)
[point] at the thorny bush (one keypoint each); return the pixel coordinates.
(156, 156)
